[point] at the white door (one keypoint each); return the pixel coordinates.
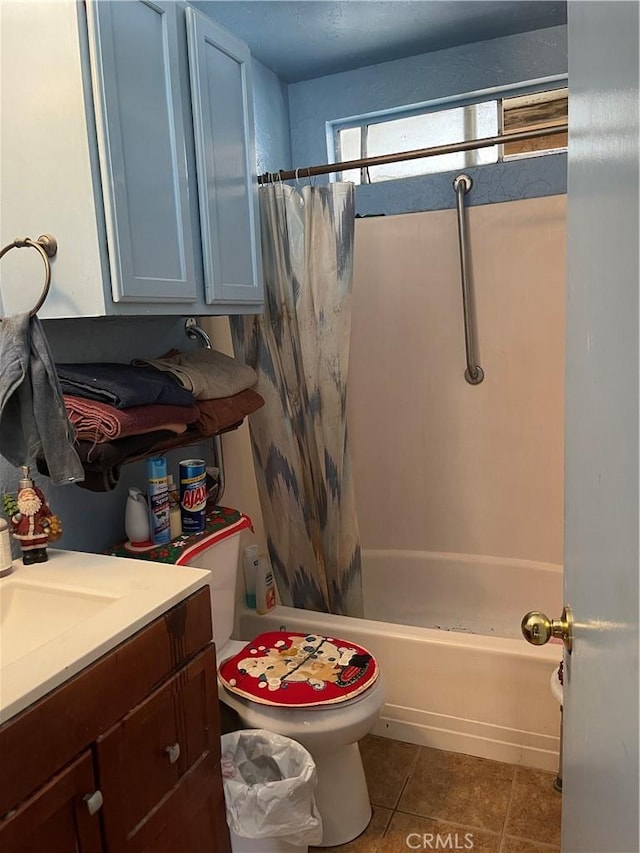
(600, 779)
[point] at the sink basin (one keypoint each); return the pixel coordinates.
(33, 614)
(58, 617)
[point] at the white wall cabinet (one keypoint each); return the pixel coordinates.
(127, 132)
(220, 73)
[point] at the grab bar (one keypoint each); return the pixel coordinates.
(474, 374)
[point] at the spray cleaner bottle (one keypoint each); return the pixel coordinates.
(159, 500)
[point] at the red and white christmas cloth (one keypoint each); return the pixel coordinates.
(298, 670)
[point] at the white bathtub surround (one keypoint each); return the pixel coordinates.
(440, 465)
(300, 350)
(458, 592)
(485, 694)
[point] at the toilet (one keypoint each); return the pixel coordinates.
(330, 732)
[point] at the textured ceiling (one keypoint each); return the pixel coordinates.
(311, 38)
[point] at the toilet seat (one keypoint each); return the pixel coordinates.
(290, 670)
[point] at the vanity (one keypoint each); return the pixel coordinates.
(109, 724)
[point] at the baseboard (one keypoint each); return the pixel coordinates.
(455, 734)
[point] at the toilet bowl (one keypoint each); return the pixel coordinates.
(329, 732)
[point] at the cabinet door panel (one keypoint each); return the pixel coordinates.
(191, 819)
(55, 818)
(220, 69)
(135, 770)
(140, 122)
(146, 793)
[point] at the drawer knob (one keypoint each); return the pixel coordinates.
(173, 752)
(93, 802)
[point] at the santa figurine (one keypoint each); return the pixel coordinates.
(33, 525)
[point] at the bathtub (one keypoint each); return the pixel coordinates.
(445, 629)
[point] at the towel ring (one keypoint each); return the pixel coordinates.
(47, 246)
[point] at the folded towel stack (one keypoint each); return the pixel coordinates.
(125, 412)
(121, 385)
(98, 422)
(206, 373)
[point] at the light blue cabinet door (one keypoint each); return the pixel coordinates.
(222, 107)
(141, 141)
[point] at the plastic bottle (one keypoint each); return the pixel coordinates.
(6, 563)
(250, 568)
(136, 518)
(265, 586)
(175, 516)
(158, 500)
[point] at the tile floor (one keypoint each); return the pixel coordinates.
(420, 793)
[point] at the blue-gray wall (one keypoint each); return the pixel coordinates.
(271, 108)
(417, 79)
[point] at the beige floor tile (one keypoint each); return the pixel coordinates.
(521, 845)
(408, 833)
(459, 788)
(535, 808)
(387, 764)
(371, 838)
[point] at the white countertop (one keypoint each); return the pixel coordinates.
(108, 598)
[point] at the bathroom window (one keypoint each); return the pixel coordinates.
(530, 112)
(383, 134)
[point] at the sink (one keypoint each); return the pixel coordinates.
(58, 617)
(33, 614)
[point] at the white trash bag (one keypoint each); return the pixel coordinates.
(269, 783)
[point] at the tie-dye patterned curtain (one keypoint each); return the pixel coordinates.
(300, 349)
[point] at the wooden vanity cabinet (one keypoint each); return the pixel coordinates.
(135, 739)
(56, 818)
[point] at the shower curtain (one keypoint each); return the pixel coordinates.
(300, 350)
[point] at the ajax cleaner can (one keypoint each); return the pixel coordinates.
(193, 495)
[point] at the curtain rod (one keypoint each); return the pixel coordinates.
(451, 148)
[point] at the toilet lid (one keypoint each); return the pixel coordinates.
(298, 670)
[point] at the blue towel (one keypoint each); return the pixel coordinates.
(122, 385)
(33, 419)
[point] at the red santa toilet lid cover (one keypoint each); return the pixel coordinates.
(295, 670)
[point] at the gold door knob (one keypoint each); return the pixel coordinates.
(538, 629)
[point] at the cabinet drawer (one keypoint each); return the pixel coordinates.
(149, 754)
(56, 818)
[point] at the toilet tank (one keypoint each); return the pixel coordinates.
(221, 559)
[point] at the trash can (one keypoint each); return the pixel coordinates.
(269, 783)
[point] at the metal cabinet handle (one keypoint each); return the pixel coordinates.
(173, 752)
(93, 802)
